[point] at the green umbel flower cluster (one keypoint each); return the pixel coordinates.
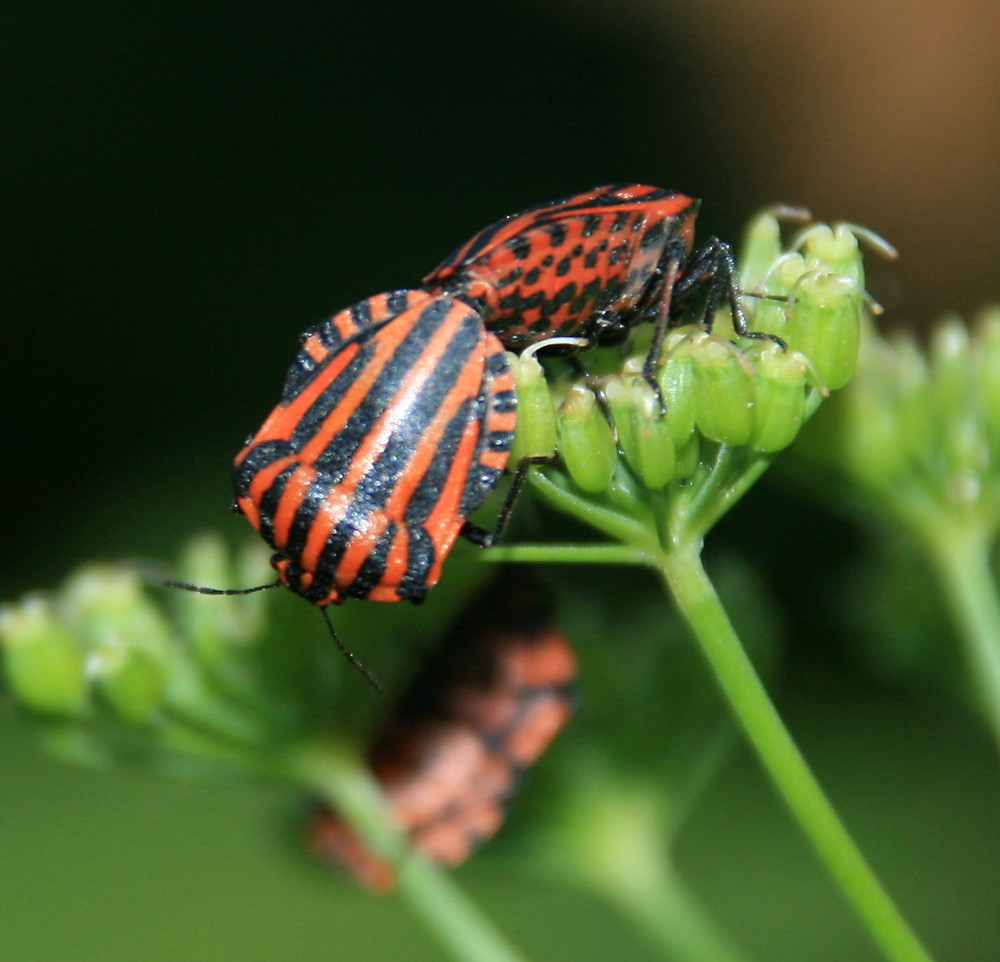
(111, 673)
(920, 429)
(915, 444)
(104, 641)
(727, 404)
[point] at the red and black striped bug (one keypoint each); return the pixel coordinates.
(593, 265)
(395, 423)
(481, 711)
(397, 415)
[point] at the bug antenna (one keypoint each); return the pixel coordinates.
(369, 677)
(202, 590)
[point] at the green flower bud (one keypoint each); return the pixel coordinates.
(836, 249)
(780, 397)
(586, 441)
(987, 361)
(133, 681)
(824, 324)
(535, 434)
(44, 663)
(893, 419)
(899, 384)
(950, 354)
(217, 623)
(724, 392)
(688, 458)
(762, 244)
(644, 433)
(677, 382)
(874, 452)
(962, 420)
(771, 316)
(761, 248)
(618, 392)
(126, 637)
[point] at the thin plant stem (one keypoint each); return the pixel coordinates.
(686, 579)
(554, 553)
(670, 914)
(961, 558)
(628, 864)
(615, 524)
(338, 776)
(617, 843)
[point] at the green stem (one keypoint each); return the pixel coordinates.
(686, 579)
(961, 557)
(663, 907)
(337, 775)
(615, 845)
(573, 553)
(615, 524)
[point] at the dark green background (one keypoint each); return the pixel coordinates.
(187, 186)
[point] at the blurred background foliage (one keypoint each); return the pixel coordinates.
(187, 186)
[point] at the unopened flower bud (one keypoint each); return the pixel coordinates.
(771, 314)
(586, 441)
(644, 433)
(126, 638)
(824, 325)
(535, 434)
(836, 248)
(950, 355)
(677, 383)
(219, 623)
(688, 458)
(761, 248)
(724, 392)
(780, 394)
(43, 661)
(899, 382)
(987, 347)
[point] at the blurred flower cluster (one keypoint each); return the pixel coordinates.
(920, 428)
(912, 448)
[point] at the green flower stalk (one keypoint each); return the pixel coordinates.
(917, 436)
(732, 404)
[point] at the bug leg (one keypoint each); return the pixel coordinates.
(670, 271)
(714, 263)
(594, 386)
(484, 538)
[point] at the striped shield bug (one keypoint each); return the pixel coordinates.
(395, 423)
(480, 712)
(397, 415)
(593, 265)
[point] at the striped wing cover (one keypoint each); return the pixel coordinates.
(395, 423)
